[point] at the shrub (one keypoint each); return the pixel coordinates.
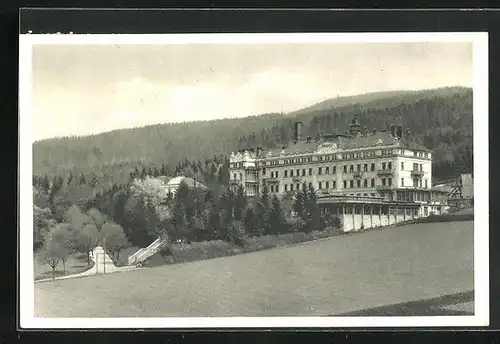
(203, 250)
(298, 224)
(236, 233)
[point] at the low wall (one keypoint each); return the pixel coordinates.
(357, 221)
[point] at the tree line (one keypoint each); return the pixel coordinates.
(139, 213)
(78, 232)
(442, 123)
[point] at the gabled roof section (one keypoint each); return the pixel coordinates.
(368, 140)
(301, 147)
(175, 182)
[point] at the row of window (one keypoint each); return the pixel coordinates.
(329, 157)
(348, 184)
(352, 168)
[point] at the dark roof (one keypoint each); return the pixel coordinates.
(346, 142)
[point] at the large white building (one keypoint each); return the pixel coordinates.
(379, 165)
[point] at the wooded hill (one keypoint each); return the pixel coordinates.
(440, 119)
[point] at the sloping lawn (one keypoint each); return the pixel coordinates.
(343, 274)
(75, 263)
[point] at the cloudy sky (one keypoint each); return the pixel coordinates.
(83, 89)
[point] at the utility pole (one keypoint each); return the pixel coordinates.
(104, 254)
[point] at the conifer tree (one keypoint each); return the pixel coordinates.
(276, 216)
(240, 203)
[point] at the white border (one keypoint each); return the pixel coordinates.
(481, 225)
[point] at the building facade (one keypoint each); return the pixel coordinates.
(385, 165)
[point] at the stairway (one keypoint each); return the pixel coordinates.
(144, 253)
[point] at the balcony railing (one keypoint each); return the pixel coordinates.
(251, 181)
(417, 173)
(386, 172)
(384, 187)
(271, 180)
(357, 174)
(235, 181)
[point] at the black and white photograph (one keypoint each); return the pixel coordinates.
(254, 180)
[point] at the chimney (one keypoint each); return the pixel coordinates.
(399, 131)
(309, 139)
(393, 130)
(296, 136)
(195, 180)
(407, 132)
(259, 149)
(374, 131)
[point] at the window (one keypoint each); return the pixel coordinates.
(319, 170)
(276, 188)
(234, 176)
(414, 153)
(327, 170)
(420, 167)
(351, 184)
(334, 169)
(327, 185)
(276, 173)
(345, 168)
(291, 187)
(415, 167)
(365, 168)
(310, 171)
(291, 173)
(383, 181)
(272, 188)
(373, 182)
(389, 181)
(358, 168)
(373, 167)
(402, 165)
(351, 168)
(320, 185)
(365, 194)
(420, 182)
(264, 170)
(383, 165)
(304, 172)
(402, 182)
(345, 184)
(365, 183)
(334, 184)
(286, 187)
(372, 194)
(389, 165)
(298, 172)
(297, 186)
(286, 174)
(358, 183)
(426, 183)
(310, 185)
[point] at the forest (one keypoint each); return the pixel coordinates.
(441, 120)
